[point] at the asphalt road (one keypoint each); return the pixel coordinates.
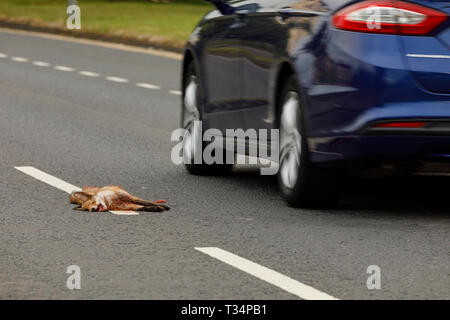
(87, 130)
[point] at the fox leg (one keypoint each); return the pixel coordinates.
(160, 203)
(142, 201)
(151, 209)
(146, 203)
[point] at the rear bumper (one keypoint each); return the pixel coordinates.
(360, 140)
(374, 149)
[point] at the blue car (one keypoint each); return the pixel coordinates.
(349, 85)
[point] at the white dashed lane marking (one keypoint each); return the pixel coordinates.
(19, 59)
(89, 74)
(117, 79)
(61, 185)
(64, 68)
(175, 92)
(273, 277)
(41, 63)
(148, 86)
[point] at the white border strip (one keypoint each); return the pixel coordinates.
(61, 185)
(277, 279)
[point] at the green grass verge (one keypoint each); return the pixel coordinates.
(167, 22)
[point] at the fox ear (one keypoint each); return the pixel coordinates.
(79, 197)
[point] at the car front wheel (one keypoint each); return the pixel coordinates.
(191, 118)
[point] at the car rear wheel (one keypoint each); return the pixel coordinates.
(302, 183)
(192, 141)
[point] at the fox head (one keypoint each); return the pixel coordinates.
(93, 206)
(86, 202)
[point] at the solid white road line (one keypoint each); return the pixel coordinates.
(41, 63)
(48, 179)
(61, 185)
(125, 213)
(175, 92)
(277, 279)
(64, 68)
(148, 86)
(3, 55)
(19, 59)
(117, 79)
(89, 74)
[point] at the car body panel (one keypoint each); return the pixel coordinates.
(429, 59)
(348, 80)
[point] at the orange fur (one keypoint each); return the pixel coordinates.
(112, 198)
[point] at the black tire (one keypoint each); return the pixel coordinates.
(314, 187)
(200, 168)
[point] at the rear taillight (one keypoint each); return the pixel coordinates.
(390, 17)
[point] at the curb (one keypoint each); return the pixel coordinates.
(29, 25)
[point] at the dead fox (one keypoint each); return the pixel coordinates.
(112, 198)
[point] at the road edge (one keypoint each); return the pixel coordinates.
(110, 41)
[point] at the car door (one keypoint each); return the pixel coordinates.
(222, 64)
(260, 40)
